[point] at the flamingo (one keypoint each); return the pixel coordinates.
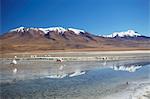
(15, 70)
(13, 62)
(59, 60)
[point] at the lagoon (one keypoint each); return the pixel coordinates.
(121, 79)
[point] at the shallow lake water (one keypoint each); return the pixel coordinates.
(69, 80)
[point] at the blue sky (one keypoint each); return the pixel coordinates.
(95, 16)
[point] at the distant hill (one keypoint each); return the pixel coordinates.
(58, 38)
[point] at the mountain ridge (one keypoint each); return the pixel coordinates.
(57, 38)
(130, 33)
(46, 30)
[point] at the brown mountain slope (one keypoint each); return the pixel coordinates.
(36, 40)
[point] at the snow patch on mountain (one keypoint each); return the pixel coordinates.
(130, 33)
(58, 29)
(20, 29)
(46, 30)
(76, 31)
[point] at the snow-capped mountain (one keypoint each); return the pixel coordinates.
(129, 33)
(46, 30)
(59, 38)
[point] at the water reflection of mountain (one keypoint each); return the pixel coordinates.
(60, 73)
(131, 67)
(77, 73)
(73, 69)
(57, 76)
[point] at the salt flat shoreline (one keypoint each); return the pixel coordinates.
(81, 56)
(132, 51)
